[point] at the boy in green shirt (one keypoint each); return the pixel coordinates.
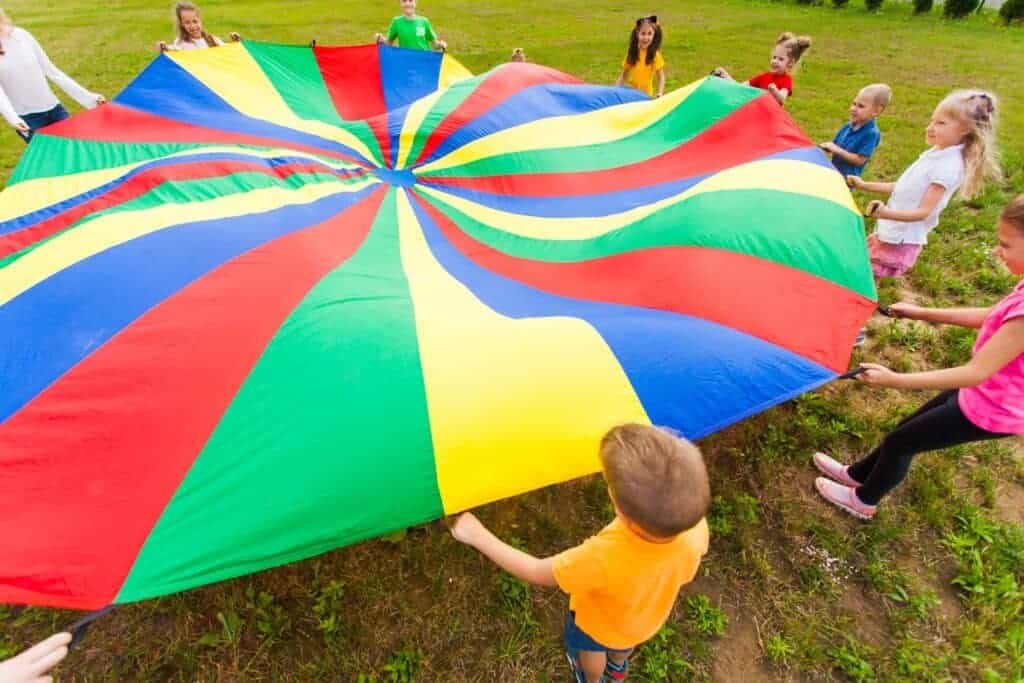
(411, 30)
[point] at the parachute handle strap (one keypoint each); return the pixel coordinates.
(78, 629)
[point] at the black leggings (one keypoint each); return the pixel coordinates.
(939, 423)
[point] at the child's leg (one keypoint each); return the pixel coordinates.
(593, 664)
(941, 426)
(861, 469)
(618, 665)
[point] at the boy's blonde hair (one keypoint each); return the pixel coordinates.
(977, 110)
(656, 479)
(880, 94)
(795, 45)
(1013, 213)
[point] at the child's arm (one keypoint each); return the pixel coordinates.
(1005, 345)
(963, 317)
(857, 183)
(468, 529)
(440, 44)
(661, 82)
(848, 157)
(7, 111)
(930, 200)
(622, 78)
(780, 94)
(85, 98)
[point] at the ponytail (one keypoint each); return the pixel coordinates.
(977, 111)
(795, 45)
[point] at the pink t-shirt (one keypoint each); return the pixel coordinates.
(997, 404)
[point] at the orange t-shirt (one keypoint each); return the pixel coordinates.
(622, 587)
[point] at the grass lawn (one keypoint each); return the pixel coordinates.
(932, 589)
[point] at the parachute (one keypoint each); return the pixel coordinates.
(274, 300)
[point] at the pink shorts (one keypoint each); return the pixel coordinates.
(891, 260)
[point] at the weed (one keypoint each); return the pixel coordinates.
(850, 659)
(727, 515)
(778, 649)
(272, 621)
(328, 608)
(706, 619)
(230, 630)
(661, 658)
(403, 665)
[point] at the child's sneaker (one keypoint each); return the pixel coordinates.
(844, 497)
(862, 337)
(616, 672)
(834, 469)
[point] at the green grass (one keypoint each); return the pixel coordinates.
(791, 590)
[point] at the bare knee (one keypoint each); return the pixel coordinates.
(593, 664)
(619, 657)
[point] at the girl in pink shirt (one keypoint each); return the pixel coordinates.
(983, 399)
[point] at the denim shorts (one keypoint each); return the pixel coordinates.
(577, 639)
(43, 119)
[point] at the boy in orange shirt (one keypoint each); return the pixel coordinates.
(622, 582)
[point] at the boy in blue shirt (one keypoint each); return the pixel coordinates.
(856, 141)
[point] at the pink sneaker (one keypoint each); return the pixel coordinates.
(833, 469)
(844, 497)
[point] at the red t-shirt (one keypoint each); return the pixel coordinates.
(781, 81)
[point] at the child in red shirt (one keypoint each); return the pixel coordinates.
(778, 81)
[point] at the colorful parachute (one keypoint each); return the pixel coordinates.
(274, 300)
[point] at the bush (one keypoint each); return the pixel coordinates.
(923, 6)
(873, 5)
(958, 9)
(840, 3)
(1013, 9)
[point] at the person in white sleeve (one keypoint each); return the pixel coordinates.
(26, 100)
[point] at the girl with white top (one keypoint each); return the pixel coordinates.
(191, 34)
(962, 156)
(26, 100)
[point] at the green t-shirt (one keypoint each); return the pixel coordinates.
(415, 33)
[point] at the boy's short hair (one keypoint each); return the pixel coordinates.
(656, 479)
(880, 94)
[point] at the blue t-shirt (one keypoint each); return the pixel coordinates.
(861, 141)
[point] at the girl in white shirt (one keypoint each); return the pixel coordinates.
(26, 101)
(191, 35)
(962, 156)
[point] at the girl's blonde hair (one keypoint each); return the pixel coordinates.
(977, 111)
(795, 45)
(182, 33)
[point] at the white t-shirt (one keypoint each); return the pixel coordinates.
(200, 44)
(24, 69)
(943, 167)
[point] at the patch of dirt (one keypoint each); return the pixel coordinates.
(738, 653)
(1010, 502)
(868, 621)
